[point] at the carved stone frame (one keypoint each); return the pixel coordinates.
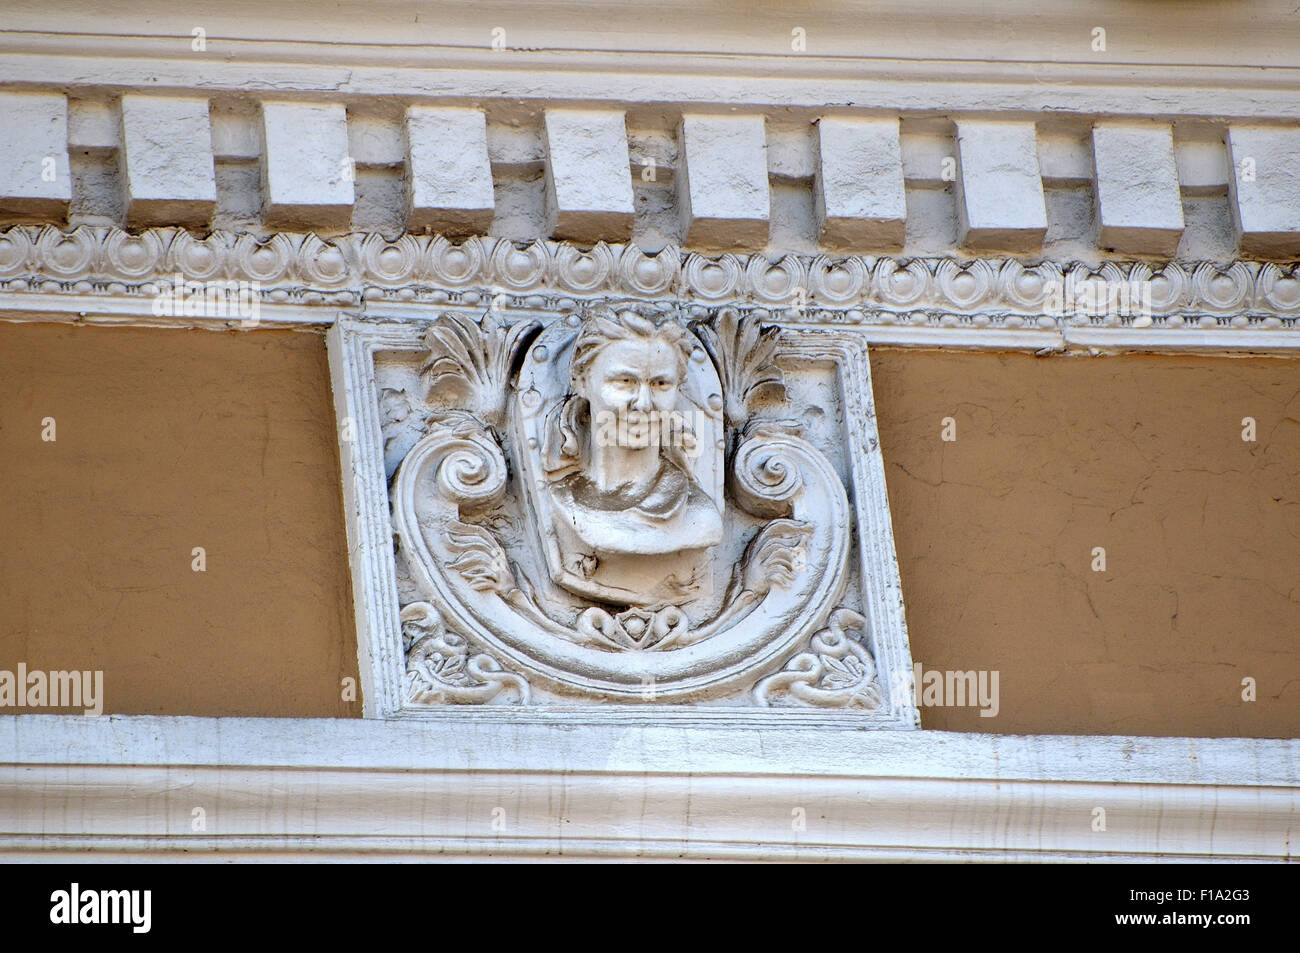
(353, 343)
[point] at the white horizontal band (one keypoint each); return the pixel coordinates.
(571, 784)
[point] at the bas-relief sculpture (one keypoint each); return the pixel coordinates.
(621, 505)
(632, 500)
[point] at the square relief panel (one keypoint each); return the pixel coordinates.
(618, 507)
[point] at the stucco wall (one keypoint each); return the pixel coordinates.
(169, 440)
(1140, 455)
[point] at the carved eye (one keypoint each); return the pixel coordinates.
(662, 383)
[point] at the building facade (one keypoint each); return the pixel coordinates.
(848, 431)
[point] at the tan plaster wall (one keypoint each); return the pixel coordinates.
(168, 440)
(1141, 455)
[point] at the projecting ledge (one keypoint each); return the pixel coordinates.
(611, 785)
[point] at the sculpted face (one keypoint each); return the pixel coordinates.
(637, 382)
(631, 506)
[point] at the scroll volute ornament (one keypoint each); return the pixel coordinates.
(623, 546)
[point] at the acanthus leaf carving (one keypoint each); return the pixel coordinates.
(776, 555)
(745, 354)
(479, 558)
(837, 670)
(476, 357)
(440, 668)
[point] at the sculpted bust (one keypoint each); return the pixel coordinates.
(626, 470)
(626, 430)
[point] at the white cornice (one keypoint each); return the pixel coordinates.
(1204, 59)
(1259, 34)
(750, 81)
(120, 786)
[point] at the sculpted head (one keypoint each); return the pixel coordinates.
(626, 371)
(623, 361)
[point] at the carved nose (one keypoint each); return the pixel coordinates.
(642, 401)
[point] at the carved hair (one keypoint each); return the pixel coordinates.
(603, 327)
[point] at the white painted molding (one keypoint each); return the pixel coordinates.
(694, 60)
(366, 511)
(925, 83)
(114, 788)
(1138, 32)
(99, 274)
(107, 310)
